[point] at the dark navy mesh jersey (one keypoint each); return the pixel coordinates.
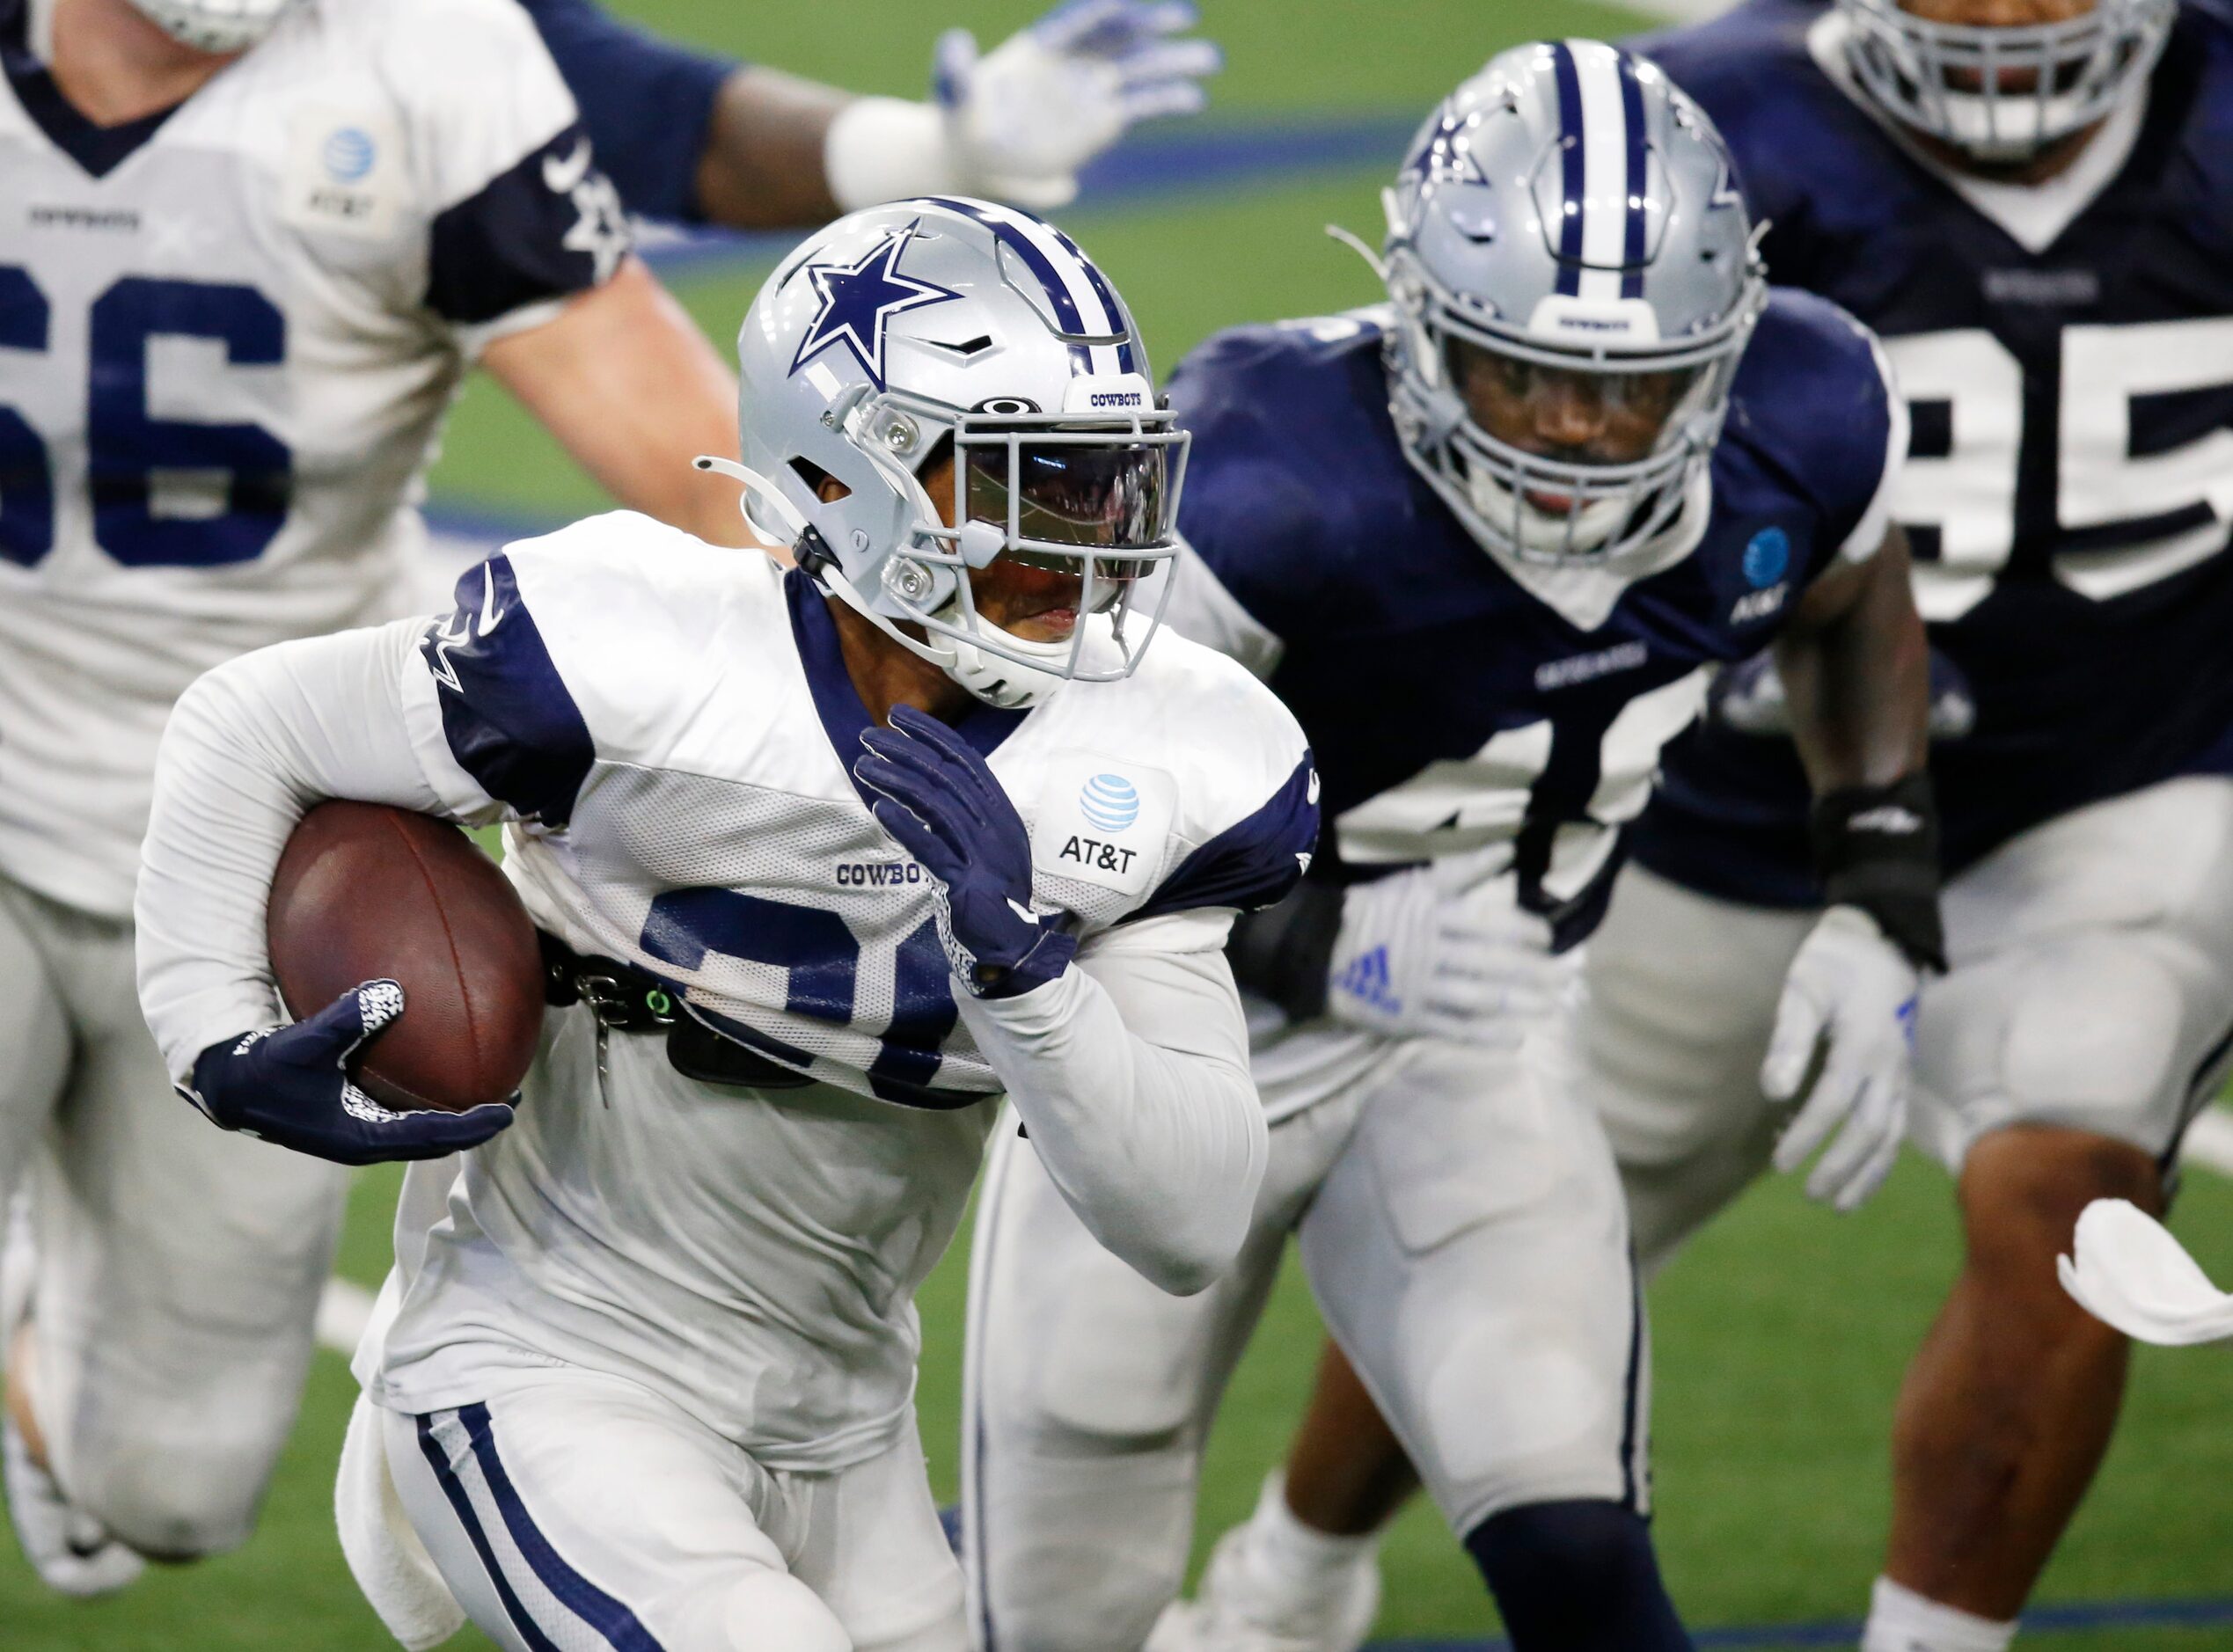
(2068, 355)
(1451, 706)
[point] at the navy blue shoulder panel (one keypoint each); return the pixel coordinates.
(1752, 72)
(1278, 413)
(1810, 407)
(645, 102)
(509, 718)
(1252, 864)
(545, 228)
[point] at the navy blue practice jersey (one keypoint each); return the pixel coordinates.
(1450, 707)
(645, 102)
(2068, 356)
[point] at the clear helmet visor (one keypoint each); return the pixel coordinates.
(1049, 530)
(1054, 502)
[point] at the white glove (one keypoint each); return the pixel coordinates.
(2130, 1273)
(1851, 985)
(1021, 121)
(1444, 949)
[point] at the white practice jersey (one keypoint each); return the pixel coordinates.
(228, 335)
(669, 730)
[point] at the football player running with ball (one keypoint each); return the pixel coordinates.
(919, 822)
(247, 250)
(2032, 202)
(1488, 543)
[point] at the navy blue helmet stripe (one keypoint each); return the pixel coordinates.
(1107, 297)
(1639, 179)
(1058, 290)
(1571, 158)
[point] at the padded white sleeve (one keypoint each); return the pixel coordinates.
(1131, 1073)
(249, 749)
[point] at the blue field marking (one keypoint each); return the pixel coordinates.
(1845, 1632)
(1162, 163)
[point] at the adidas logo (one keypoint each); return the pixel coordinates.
(1366, 979)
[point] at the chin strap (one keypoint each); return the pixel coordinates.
(812, 553)
(757, 485)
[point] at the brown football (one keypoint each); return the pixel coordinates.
(365, 892)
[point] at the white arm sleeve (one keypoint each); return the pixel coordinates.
(1131, 1073)
(249, 747)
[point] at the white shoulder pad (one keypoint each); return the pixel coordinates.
(641, 622)
(473, 82)
(1188, 784)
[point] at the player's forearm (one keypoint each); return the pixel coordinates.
(249, 747)
(1154, 1136)
(763, 166)
(625, 380)
(1857, 677)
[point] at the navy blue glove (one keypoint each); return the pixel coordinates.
(291, 1085)
(945, 808)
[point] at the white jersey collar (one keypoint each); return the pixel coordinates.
(2035, 216)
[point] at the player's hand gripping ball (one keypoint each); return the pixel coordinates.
(943, 805)
(291, 1085)
(418, 979)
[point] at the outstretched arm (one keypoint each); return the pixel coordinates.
(622, 377)
(688, 136)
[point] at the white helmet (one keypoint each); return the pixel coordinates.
(2003, 94)
(214, 26)
(903, 332)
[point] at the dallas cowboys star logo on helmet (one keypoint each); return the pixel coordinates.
(1447, 151)
(859, 300)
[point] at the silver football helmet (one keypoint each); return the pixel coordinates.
(214, 26)
(924, 329)
(2003, 94)
(1566, 224)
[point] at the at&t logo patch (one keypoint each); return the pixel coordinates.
(1110, 801)
(349, 153)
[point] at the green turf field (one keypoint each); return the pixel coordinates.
(1780, 1337)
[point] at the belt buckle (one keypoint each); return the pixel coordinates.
(606, 1000)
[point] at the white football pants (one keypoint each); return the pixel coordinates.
(177, 1268)
(2091, 988)
(579, 1511)
(1461, 1224)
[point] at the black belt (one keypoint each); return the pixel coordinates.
(626, 999)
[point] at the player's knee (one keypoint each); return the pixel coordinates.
(1577, 1576)
(173, 1511)
(773, 1612)
(2023, 1188)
